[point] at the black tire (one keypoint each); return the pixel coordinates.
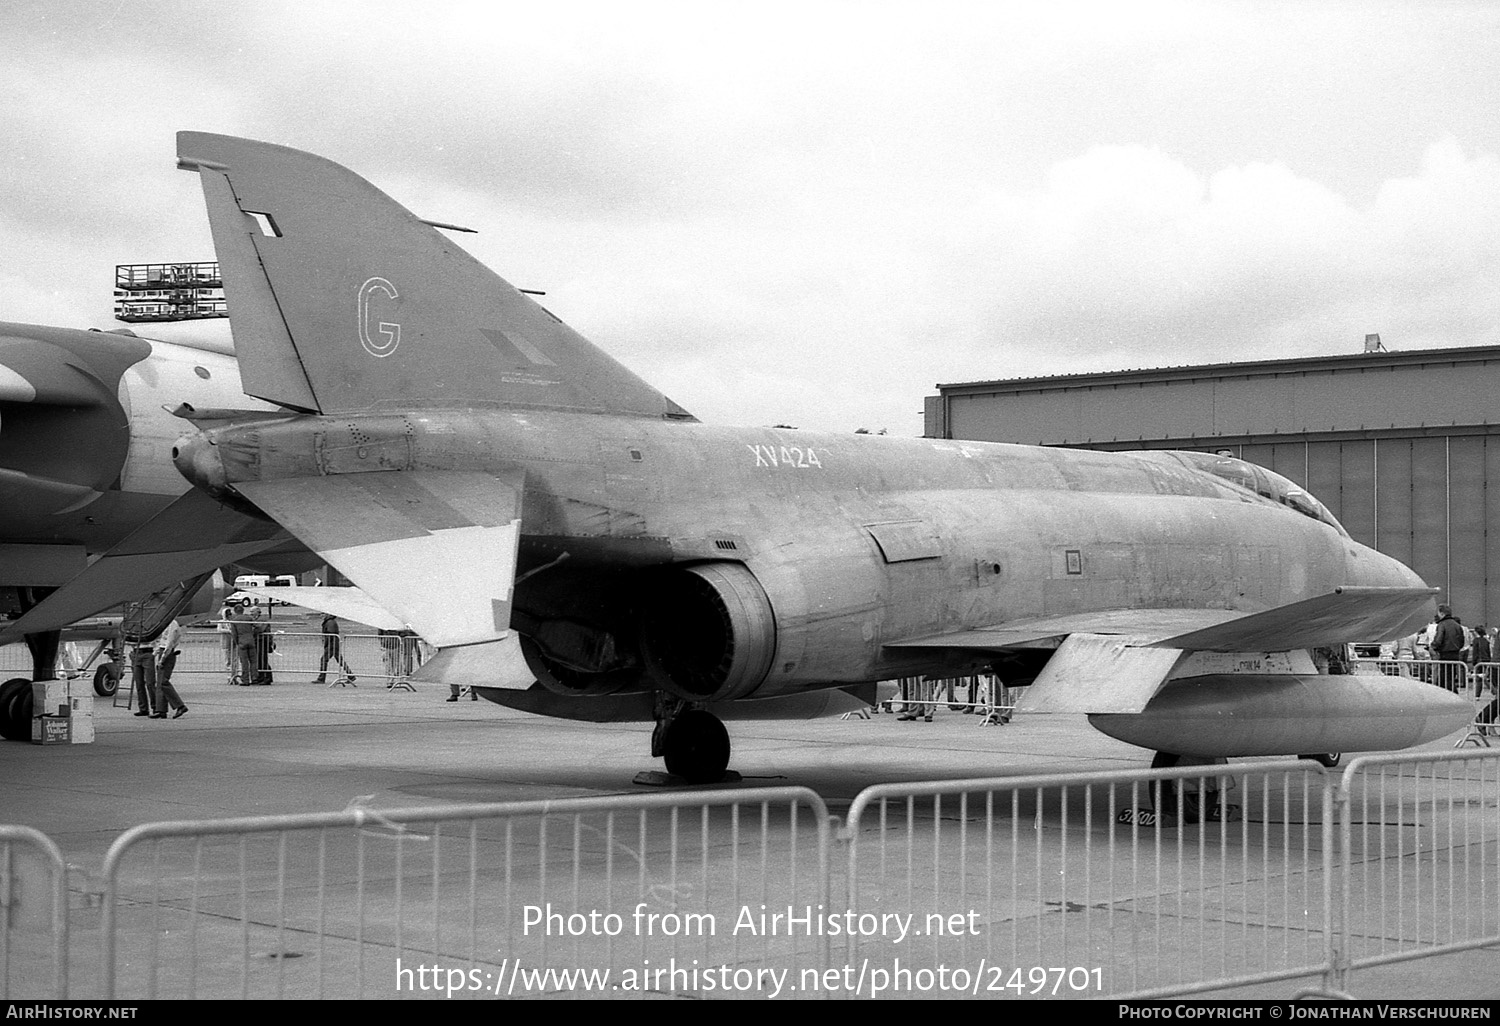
(15, 709)
(106, 682)
(1328, 759)
(696, 747)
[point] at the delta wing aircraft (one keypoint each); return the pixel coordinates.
(480, 469)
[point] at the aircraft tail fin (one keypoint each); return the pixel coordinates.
(343, 301)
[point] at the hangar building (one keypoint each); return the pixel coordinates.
(1400, 446)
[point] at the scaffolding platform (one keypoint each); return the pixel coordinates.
(169, 292)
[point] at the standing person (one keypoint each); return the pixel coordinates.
(142, 677)
(1447, 644)
(920, 698)
(167, 650)
(333, 649)
(244, 646)
(264, 646)
(226, 637)
(1479, 657)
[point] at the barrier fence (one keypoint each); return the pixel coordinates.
(287, 649)
(1191, 879)
(556, 897)
(1135, 884)
(1419, 852)
(33, 915)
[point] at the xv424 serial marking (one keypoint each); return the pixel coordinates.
(793, 456)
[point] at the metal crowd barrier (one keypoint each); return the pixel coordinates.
(982, 694)
(1143, 867)
(1452, 674)
(33, 913)
(293, 650)
(473, 900)
(1419, 856)
(1135, 884)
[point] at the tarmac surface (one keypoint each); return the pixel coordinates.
(298, 747)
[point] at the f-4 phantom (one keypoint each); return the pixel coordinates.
(478, 468)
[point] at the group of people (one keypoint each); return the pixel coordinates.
(918, 698)
(1457, 650)
(247, 645)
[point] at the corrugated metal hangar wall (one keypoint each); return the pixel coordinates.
(1399, 446)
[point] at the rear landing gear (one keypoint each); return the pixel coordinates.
(693, 742)
(1329, 759)
(696, 747)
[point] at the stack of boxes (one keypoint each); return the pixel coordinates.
(62, 712)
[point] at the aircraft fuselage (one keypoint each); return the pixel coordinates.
(858, 541)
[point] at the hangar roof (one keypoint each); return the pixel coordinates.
(1400, 359)
(1362, 394)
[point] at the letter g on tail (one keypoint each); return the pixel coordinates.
(390, 332)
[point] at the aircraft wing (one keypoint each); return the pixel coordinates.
(196, 533)
(1115, 661)
(1344, 614)
(1142, 626)
(437, 549)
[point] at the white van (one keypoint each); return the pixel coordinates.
(252, 590)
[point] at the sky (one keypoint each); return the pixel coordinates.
(811, 213)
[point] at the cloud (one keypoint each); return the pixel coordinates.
(1127, 252)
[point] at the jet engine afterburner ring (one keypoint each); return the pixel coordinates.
(708, 632)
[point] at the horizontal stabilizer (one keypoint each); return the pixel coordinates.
(437, 549)
(193, 535)
(344, 603)
(495, 664)
(1343, 615)
(1098, 673)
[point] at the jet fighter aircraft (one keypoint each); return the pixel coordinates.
(478, 468)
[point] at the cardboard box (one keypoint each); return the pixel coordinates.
(51, 730)
(49, 697)
(81, 705)
(81, 687)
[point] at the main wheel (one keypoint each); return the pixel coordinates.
(15, 709)
(106, 681)
(1329, 759)
(696, 747)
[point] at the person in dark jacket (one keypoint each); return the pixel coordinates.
(1447, 646)
(333, 651)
